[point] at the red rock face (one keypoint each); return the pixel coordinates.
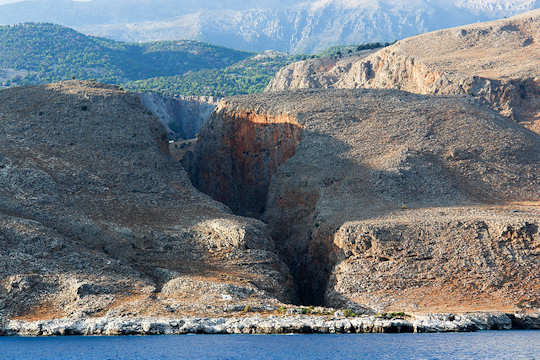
(240, 153)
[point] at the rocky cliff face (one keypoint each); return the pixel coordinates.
(96, 219)
(240, 151)
(182, 115)
(497, 62)
(385, 200)
(314, 73)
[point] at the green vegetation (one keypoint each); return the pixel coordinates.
(351, 50)
(52, 53)
(245, 77)
(42, 53)
(310, 310)
(350, 313)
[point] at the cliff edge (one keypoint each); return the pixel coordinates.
(498, 62)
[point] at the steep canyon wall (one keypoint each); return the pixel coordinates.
(384, 200)
(182, 115)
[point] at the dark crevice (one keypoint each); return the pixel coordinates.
(235, 158)
(238, 153)
(311, 282)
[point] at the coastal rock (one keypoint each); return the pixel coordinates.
(3, 326)
(496, 62)
(260, 325)
(525, 321)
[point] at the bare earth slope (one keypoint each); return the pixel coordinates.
(96, 219)
(384, 199)
(497, 61)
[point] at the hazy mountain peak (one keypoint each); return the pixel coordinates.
(345, 4)
(258, 25)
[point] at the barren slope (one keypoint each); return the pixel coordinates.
(97, 219)
(384, 199)
(498, 62)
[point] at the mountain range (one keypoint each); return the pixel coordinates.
(304, 27)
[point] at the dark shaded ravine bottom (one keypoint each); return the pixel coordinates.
(310, 274)
(311, 277)
(236, 156)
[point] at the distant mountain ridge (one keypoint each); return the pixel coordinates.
(305, 27)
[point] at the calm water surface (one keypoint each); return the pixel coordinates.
(480, 345)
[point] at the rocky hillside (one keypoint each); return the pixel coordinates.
(373, 200)
(383, 199)
(97, 219)
(498, 62)
(323, 72)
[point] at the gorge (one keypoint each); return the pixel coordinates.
(395, 191)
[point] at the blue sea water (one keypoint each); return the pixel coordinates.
(480, 345)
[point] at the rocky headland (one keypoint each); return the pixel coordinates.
(97, 219)
(381, 199)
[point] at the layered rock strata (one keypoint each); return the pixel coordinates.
(385, 200)
(498, 62)
(314, 73)
(97, 219)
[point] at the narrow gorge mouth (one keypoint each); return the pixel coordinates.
(236, 156)
(311, 279)
(238, 153)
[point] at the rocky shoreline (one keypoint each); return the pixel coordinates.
(271, 325)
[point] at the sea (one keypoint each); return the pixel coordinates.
(478, 345)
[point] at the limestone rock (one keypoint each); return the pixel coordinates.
(314, 73)
(182, 115)
(107, 326)
(497, 62)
